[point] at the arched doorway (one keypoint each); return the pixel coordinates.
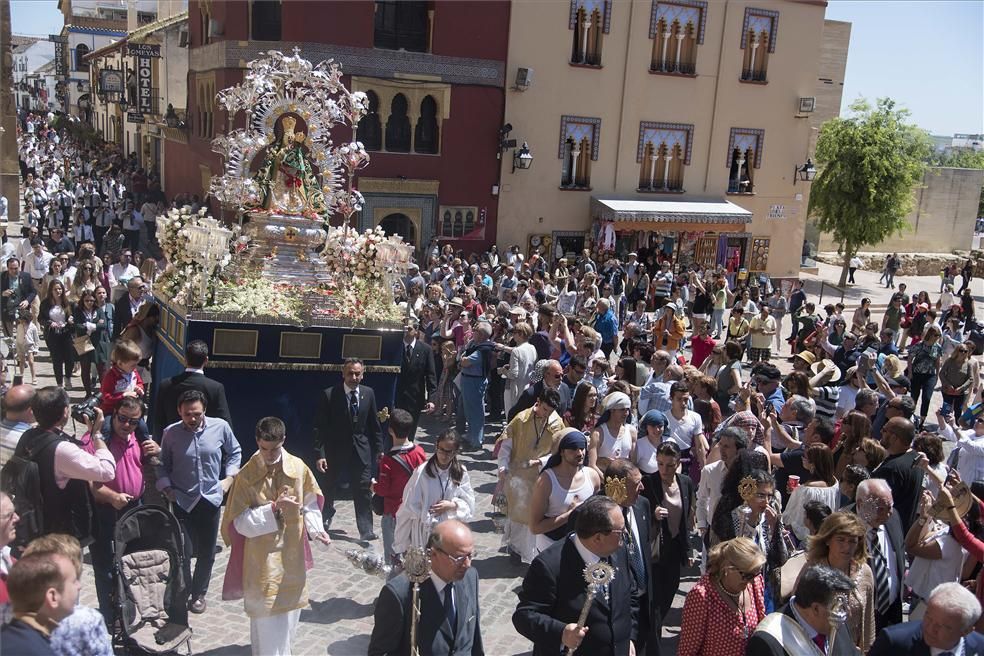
(400, 224)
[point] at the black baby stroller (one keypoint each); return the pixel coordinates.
(148, 584)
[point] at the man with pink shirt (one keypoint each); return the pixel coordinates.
(116, 496)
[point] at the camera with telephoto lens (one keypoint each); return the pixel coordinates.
(85, 412)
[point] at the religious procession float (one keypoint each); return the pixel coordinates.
(289, 290)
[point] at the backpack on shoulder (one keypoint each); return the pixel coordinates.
(20, 478)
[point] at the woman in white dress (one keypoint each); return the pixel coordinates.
(612, 438)
(563, 485)
(822, 487)
(437, 490)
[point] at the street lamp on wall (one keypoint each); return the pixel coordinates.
(124, 105)
(522, 158)
(806, 173)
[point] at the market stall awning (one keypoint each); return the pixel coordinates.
(642, 214)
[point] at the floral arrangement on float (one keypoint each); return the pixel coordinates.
(197, 248)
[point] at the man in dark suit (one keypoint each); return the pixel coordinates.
(449, 622)
(899, 469)
(947, 628)
(812, 623)
(126, 306)
(622, 474)
(417, 380)
(554, 589)
(886, 548)
(166, 405)
(347, 441)
(16, 296)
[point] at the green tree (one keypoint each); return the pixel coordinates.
(869, 164)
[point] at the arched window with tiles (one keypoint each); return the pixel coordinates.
(425, 135)
(369, 130)
(458, 229)
(745, 150)
(589, 22)
(758, 40)
(469, 221)
(398, 129)
(578, 148)
(446, 229)
(663, 155)
(676, 29)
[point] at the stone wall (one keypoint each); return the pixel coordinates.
(913, 264)
(943, 218)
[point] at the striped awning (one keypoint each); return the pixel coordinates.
(707, 214)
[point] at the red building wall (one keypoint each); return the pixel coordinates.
(466, 168)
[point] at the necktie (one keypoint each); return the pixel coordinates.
(406, 354)
(635, 556)
(354, 405)
(821, 641)
(449, 608)
(880, 569)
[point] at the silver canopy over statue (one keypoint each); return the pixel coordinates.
(286, 178)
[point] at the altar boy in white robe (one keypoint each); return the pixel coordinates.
(273, 508)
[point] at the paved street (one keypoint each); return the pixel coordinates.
(340, 618)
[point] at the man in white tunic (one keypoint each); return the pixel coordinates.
(274, 507)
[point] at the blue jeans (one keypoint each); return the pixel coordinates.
(388, 525)
(717, 321)
(923, 385)
(472, 406)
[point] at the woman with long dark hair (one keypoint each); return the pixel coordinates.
(88, 323)
(58, 323)
(672, 498)
(437, 490)
(583, 413)
(822, 486)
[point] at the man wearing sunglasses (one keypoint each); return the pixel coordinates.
(116, 496)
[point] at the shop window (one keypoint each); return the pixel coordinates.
(758, 41)
(425, 136)
(401, 25)
(81, 51)
(677, 29)
(398, 126)
(369, 130)
(587, 37)
(266, 20)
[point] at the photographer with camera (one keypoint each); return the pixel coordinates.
(120, 494)
(62, 468)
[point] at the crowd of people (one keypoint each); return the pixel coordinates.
(645, 426)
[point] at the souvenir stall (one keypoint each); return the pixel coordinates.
(283, 298)
(704, 232)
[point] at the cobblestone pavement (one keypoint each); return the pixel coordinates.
(340, 617)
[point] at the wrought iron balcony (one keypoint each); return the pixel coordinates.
(752, 75)
(681, 68)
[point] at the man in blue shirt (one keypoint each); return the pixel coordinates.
(607, 326)
(199, 457)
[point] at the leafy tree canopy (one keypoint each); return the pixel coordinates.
(869, 164)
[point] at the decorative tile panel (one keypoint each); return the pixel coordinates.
(671, 134)
(743, 139)
(760, 20)
(577, 128)
(604, 8)
(685, 11)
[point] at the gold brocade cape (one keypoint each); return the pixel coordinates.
(269, 572)
(525, 447)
